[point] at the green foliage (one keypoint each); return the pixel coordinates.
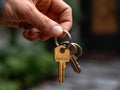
(25, 66)
(9, 85)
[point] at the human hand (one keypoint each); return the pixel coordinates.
(42, 19)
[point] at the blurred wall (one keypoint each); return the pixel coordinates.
(100, 29)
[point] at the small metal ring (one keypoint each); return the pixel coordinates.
(69, 36)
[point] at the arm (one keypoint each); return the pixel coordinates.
(1, 5)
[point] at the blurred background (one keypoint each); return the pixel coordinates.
(26, 65)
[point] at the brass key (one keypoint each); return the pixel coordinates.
(61, 55)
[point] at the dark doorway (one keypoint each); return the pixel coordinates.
(100, 26)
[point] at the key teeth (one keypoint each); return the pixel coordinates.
(61, 80)
(73, 63)
(78, 71)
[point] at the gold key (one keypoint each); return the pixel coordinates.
(61, 55)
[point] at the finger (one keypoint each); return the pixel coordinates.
(44, 24)
(44, 37)
(34, 34)
(25, 25)
(64, 13)
(31, 34)
(65, 26)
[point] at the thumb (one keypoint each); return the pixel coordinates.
(44, 24)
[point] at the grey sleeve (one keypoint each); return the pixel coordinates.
(1, 5)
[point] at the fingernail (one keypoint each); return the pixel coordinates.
(57, 31)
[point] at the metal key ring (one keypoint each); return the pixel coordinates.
(69, 36)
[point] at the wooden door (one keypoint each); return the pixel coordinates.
(104, 17)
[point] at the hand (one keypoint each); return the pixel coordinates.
(42, 19)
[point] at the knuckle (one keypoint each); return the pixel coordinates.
(69, 8)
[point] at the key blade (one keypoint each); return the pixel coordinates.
(61, 71)
(75, 65)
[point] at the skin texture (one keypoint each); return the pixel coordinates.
(41, 19)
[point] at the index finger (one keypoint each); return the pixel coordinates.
(64, 12)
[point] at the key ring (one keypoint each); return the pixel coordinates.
(69, 36)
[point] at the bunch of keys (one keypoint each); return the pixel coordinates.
(67, 52)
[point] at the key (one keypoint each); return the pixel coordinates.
(73, 56)
(77, 55)
(61, 55)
